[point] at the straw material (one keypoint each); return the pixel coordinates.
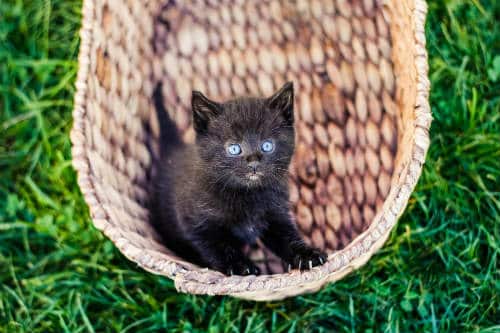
(360, 72)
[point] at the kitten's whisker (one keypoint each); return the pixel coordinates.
(282, 158)
(287, 170)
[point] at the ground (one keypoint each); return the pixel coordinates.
(438, 272)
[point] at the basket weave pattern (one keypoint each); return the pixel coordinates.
(360, 72)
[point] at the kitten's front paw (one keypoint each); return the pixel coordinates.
(307, 258)
(242, 268)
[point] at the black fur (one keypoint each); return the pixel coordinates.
(209, 204)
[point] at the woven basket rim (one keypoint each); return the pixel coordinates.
(205, 281)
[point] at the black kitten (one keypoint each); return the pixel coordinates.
(231, 186)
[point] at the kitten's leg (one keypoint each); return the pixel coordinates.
(282, 237)
(221, 250)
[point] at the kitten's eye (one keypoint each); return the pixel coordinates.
(267, 146)
(234, 149)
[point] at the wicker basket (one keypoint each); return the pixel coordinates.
(360, 74)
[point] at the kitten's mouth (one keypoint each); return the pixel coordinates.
(254, 176)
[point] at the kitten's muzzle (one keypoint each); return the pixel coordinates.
(254, 175)
(253, 166)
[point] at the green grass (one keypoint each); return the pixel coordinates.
(438, 272)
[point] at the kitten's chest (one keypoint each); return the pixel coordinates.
(249, 227)
(247, 232)
(245, 215)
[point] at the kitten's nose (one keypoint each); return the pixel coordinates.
(253, 166)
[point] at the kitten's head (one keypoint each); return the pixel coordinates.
(246, 142)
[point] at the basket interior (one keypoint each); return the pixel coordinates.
(337, 53)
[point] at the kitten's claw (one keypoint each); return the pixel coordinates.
(313, 257)
(242, 268)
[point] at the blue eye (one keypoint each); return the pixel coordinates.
(234, 149)
(267, 146)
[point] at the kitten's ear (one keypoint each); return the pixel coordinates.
(282, 101)
(203, 111)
